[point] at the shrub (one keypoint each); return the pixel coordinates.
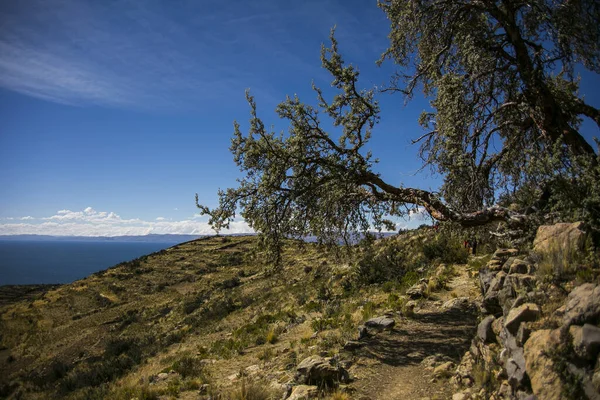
(227, 348)
(188, 366)
(381, 262)
(368, 310)
(271, 336)
(445, 249)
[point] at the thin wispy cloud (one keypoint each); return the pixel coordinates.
(89, 222)
(155, 54)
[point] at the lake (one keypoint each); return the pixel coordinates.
(31, 262)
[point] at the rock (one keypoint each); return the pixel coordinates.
(464, 395)
(460, 304)
(491, 303)
(283, 388)
(519, 301)
(519, 266)
(443, 370)
(253, 369)
(320, 370)
(161, 377)
(586, 341)
(516, 368)
(526, 312)
(304, 392)
(566, 236)
(505, 253)
(583, 305)
(545, 382)
(434, 360)
(485, 331)
(203, 389)
(464, 371)
(351, 345)
(498, 282)
(485, 279)
(514, 360)
(363, 332)
(495, 264)
(498, 326)
(523, 333)
(417, 291)
(520, 282)
(381, 323)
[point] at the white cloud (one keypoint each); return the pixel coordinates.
(27, 218)
(90, 222)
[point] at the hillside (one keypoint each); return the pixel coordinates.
(206, 319)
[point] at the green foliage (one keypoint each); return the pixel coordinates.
(381, 263)
(563, 263)
(561, 356)
(446, 250)
(505, 119)
(193, 302)
(188, 366)
(227, 348)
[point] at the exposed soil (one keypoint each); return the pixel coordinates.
(390, 365)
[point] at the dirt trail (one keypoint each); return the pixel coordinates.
(390, 365)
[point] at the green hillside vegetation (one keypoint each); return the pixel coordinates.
(205, 309)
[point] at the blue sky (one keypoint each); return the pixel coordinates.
(115, 113)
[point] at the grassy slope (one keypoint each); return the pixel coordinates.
(110, 334)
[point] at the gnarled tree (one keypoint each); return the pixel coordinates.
(500, 76)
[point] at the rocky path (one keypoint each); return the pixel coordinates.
(401, 364)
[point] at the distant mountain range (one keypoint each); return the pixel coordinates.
(152, 238)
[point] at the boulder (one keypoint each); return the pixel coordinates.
(583, 305)
(304, 392)
(485, 332)
(381, 323)
(320, 370)
(524, 313)
(545, 382)
(566, 236)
